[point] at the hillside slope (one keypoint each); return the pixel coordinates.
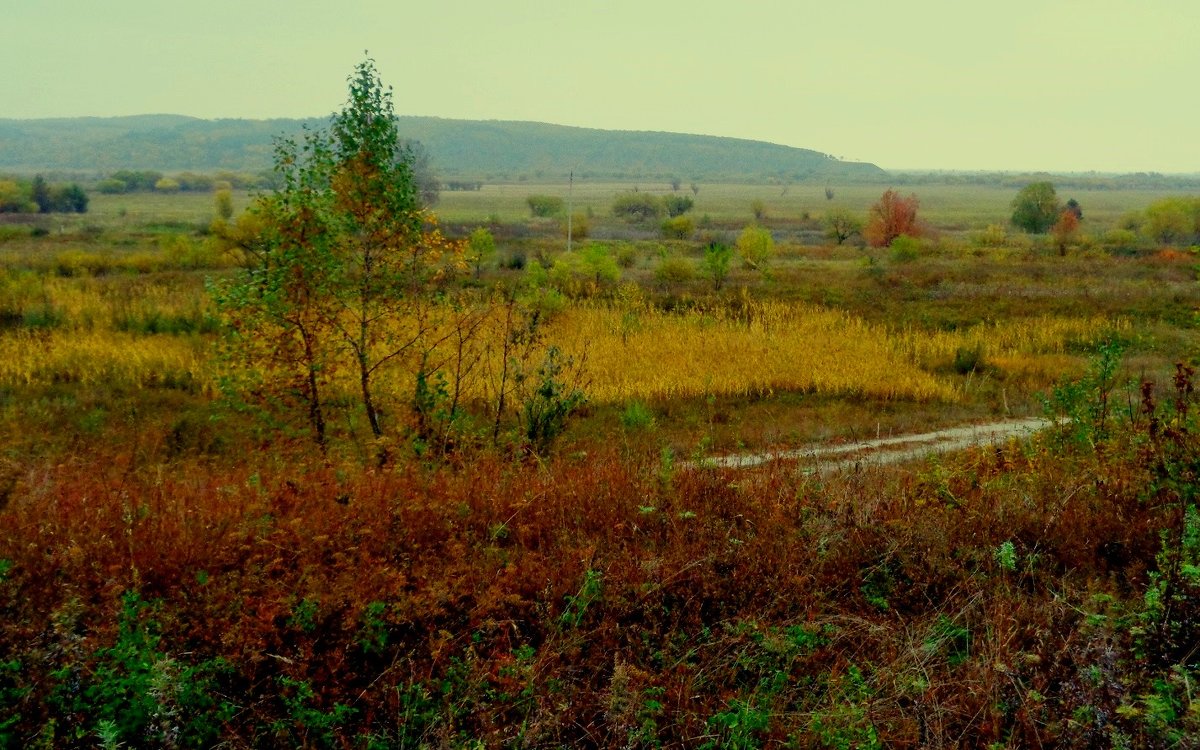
(459, 148)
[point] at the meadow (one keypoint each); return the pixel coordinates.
(181, 566)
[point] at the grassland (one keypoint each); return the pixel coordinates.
(180, 566)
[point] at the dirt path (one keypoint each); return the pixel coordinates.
(888, 450)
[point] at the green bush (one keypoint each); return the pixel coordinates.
(717, 257)
(968, 359)
(678, 205)
(637, 207)
(675, 270)
(756, 246)
(111, 187)
(905, 249)
(544, 206)
(678, 228)
(626, 255)
(1121, 242)
(545, 410)
(637, 417)
(581, 226)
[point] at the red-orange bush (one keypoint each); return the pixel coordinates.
(891, 217)
(589, 601)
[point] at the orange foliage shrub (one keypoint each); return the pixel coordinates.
(891, 217)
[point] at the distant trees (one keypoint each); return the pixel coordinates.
(428, 186)
(40, 193)
(1036, 208)
(111, 187)
(69, 199)
(14, 198)
(38, 196)
(137, 181)
(893, 215)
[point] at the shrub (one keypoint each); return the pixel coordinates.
(223, 202)
(995, 235)
(905, 249)
(756, 246)
(600, 264)
(759, 209)
(626, 255)
(637, 207)
(678, 228)
(637, 417)
(167, 185)
(1121, 242)
(111, 187)
(968, 359)
(515, 261)
(1172, 221)
(581, 226)
(545, 205)
(678, 205)
(675, 270)
(553, 400)
(716, 263)
(481, 246)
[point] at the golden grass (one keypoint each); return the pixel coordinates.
(630, 350)
(103, 357)
(644, 353)
(1007, 339)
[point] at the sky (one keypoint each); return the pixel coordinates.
(1020, 85)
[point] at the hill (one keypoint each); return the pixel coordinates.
(458, 148)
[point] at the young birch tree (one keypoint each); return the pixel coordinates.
(346, 240)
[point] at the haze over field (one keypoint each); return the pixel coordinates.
(1058, 86)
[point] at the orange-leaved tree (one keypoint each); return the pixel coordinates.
(1065, 229)
(891, 217)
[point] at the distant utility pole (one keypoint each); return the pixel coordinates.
(570, 190)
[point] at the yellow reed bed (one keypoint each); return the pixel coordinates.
(103, 357)
(643, 353)
(1040, 335)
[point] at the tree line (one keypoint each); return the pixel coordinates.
(41, 197)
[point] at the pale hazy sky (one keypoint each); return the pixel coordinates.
(1016, 85)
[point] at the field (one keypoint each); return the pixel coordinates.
(506, 565)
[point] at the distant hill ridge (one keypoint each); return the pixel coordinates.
(490, 149)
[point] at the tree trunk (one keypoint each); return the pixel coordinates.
(316, 415)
